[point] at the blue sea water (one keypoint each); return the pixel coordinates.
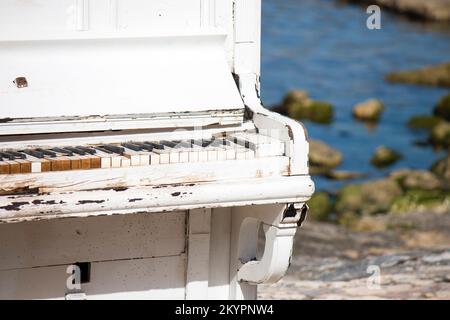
(325, 48)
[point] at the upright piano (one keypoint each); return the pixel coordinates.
(136, 158)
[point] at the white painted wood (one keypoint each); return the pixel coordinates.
(66, 241)
(66, 139)
(84, 79)
(197, 270)
(219, 253)
(124, 122)
(152, 278)
(247, 32)
(240, 192)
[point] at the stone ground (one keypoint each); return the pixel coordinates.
(331, 262)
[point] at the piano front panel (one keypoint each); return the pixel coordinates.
(122, 265)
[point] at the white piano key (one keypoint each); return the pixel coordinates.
(125, 162)
(166, 155)
(240, 154)
(174, 156)
(116, 161)
(212, 154)
(193, 156)
(164, 158)
(154, 158)
(134, 156)
(36, 164)
(184, 156)
(221, 149)
(230, 153)
(144, 158)
(263, 146)
(105, 158)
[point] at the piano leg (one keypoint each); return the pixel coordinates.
(248, 266)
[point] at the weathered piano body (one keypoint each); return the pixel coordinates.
(136, 158)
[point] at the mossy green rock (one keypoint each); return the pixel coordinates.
(423, 122)
(368, 198)
(440, 135)
(298, 105)
(441, 168)
(442, 108)
(422, 200)
(416, 180)
(384, 157)
(369, 110)
(316, 111)
(320, 206)
(435, 75)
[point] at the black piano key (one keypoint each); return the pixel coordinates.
(184, 144)
(100, 148)
(63, 151)
(34, 153)
(17, 155)
(144, 146)
(170, 144)
(202, 143)
(7, 156)
(47, 152)
(132, 146)
(114, 149)
(75, 150)
(155, 145)
(220, 143)
(87, 150)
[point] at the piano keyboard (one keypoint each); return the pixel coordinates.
(239, 146)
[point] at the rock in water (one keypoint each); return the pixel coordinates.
(296, 96)
(423, 122)
(322, 157)
(436, 75)
(442, 108)
(384, 157)
(297, 105)
(343, 175)
(369, 110)
(440, 135)
(432, 10)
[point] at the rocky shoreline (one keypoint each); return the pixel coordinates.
(331, 262)
(431, 10)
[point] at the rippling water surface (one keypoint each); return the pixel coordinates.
(325, 48)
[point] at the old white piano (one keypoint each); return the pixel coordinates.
(136, 159)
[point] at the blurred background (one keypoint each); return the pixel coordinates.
(376, 104)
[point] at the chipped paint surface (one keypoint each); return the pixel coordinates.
(155, 198)
(122, 178)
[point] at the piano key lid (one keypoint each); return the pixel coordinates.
(147, 61)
